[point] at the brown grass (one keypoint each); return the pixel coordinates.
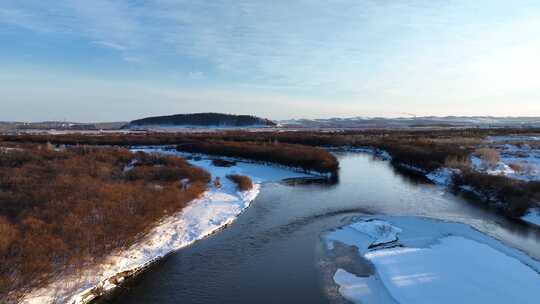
(8, 234)
(488, 155)
(457, 162)
(522, 168)
(62, 209)
(260, 147)
(244, 183)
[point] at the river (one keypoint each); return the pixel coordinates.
(273, 252)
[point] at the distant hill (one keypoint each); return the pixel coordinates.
(202, 120)
(415, 122)
(14, 126)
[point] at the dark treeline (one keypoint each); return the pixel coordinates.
(61, 209)
(204, 119)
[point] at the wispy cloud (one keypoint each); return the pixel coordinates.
(112, 45)
(366, 53)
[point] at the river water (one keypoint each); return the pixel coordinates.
(272, 253)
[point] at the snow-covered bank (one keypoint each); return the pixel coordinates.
(442, 176)
(171, 150)
(432, 261)
(533, 217)
(217, 208)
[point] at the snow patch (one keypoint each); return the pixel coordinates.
(456, 270)
(130, 166)
(380, 231)
(504, 138)
(367, 290)
(533, 217)
(365, 234)
(437, 262)
(519, 158)
(442, 176)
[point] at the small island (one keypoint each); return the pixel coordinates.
(201, 120)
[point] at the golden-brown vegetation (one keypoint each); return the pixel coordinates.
(457, 162)
(62, 209)
(308, 158)
(488, 155)
(243, 182)
(260, 149)
(427, 149)
(514, 196)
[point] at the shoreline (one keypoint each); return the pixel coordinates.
(214, 210)
(126, 264)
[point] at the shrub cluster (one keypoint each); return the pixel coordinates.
(308, 158)
(62, 209)
(262, 148)
(243, 182)
(218, 162)
(515, 196)
(488, 155)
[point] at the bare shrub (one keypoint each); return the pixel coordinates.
(8, 234)
(308, 158)
(49, 146)
(218, 162)
(517, 167)
(243, 182)
(457, 162)
(488, 155)
(516, 196)
(522, 168)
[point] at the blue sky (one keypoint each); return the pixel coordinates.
(104, 60)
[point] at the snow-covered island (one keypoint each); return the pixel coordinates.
(419, 260)
(218, 207)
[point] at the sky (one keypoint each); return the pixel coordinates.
(118, 60)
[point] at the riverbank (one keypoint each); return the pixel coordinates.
(59, 207)
(513, 196)
(217, 208)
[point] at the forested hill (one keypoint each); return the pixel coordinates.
(203, 119)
